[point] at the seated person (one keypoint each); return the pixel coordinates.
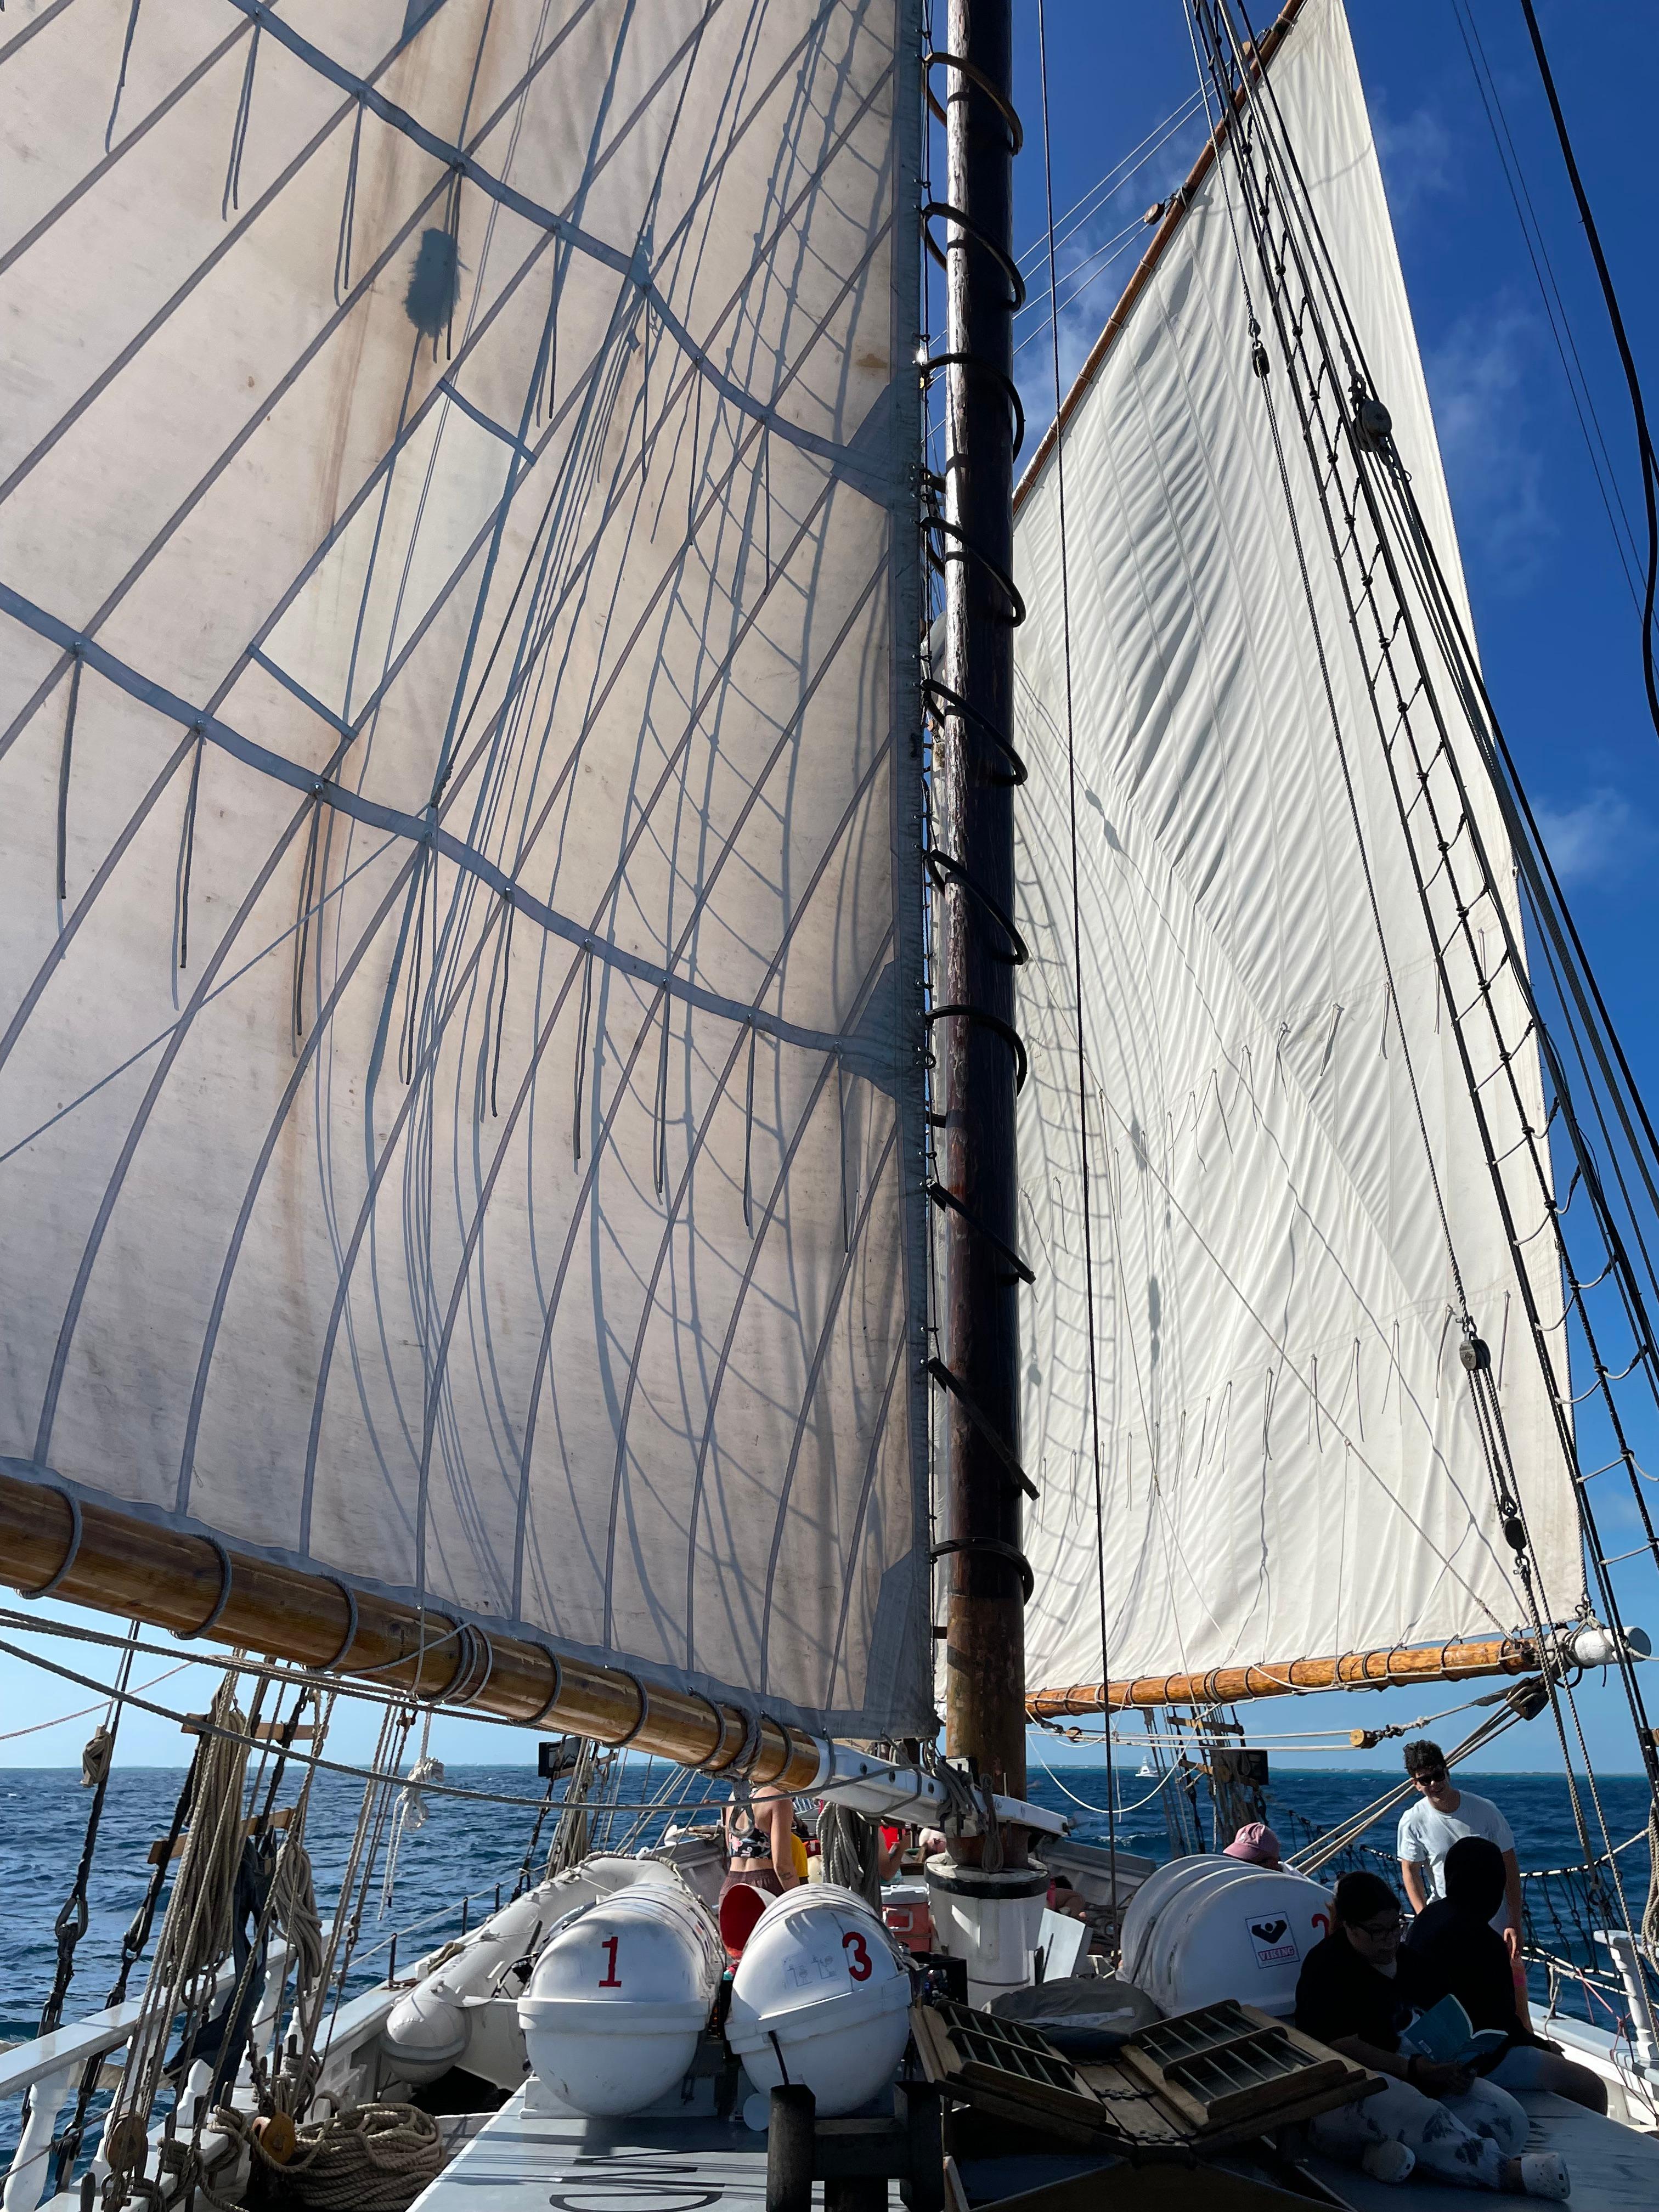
(1356, 1993)
(1454, 1951)
(1256, 1843)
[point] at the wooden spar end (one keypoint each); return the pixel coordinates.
(1231, 1685)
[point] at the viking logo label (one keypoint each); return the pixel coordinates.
(1272, 1942)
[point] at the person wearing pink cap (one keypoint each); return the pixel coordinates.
(1256, 1843)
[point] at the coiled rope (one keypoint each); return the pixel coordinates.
(367, 2158)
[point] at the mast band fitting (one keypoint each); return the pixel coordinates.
(947, 1201)
(553, 1695)
(718, 1719)
(949, 1381)
(226, 1571)
(69, 1557)
(947, 700)
(1010, 1035)
(1004, 259)
(992, 1547)
(938, 57)
(468, 1683)
(999, 575)
(327, 1666)
(945, 869)
(1006, 385)
(620, 1742)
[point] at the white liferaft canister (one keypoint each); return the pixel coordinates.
(1141, 1914)
(1234, 1931)
(820, 1999)
(619, 1996)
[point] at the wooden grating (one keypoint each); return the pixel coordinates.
(1222, 2073)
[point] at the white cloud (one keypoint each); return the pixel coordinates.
(1476, 377)
(1415, 152)
(1597, 842)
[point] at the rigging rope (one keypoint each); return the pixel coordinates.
(369, 2158)
(1627, 360)
(1076, 950)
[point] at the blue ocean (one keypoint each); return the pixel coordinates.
(451, 1866)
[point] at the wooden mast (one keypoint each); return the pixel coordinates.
(978, 1053)
(1229, 1686)
(93, 1555)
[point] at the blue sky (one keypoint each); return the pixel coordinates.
(1557, 628)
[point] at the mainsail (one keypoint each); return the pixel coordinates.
(459, 1003)
(1287, 1188)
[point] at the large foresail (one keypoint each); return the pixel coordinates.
(459, 986)
(1291, 1459)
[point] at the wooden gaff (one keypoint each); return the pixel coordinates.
(1229, 1686)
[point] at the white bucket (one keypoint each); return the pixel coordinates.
(619, 1996)
(992, 1922)
(820, 1999)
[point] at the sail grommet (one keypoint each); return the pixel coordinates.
(621, 1742)
(327, 1666)
(225, 1571)
(69, 1557)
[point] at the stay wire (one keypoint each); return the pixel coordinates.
(1077, 952)
(1644, 443)
(1555, 308)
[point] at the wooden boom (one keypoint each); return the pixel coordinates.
(114, 1562)
(1230, 1685)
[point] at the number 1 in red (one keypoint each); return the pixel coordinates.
(610, 1980)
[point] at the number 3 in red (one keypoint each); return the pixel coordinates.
(861, 1965)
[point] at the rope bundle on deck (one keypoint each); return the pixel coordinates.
(368, 2158)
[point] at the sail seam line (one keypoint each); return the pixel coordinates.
(462, 164)
(420, 828)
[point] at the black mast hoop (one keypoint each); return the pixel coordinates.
(978, 236)
(937, 58)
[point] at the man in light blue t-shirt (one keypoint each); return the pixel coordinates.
(1440, 1818)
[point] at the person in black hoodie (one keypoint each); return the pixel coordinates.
(1453, 1951)
(1357, 1994)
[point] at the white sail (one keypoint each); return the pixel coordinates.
(458, 865)
(1290, 1459)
